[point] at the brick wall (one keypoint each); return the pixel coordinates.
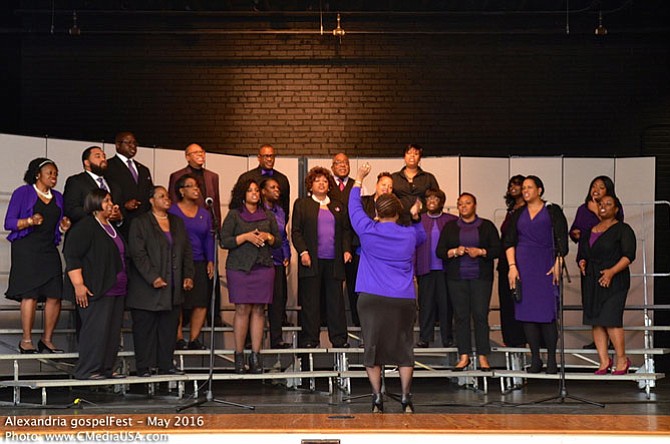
(307, 94)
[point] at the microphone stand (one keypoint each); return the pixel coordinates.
(562, 387)
(209, 396)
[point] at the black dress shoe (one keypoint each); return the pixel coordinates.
(311, 345)
(281, 345)
(421, 344)
(43, 348)
(143, 373)
(97, 377)
(342, 345)
(196, 345)
(448, 343)
(406, 403)
(181, 345)
(26, 351)
(173, 371)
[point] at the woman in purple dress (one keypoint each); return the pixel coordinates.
(248, 232)
(535, 244)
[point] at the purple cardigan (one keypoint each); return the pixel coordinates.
(21, 206)
(424, 251)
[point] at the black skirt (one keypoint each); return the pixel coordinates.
(387, 327)
(200, 294)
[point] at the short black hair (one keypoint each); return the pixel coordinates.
(180, 184)
(87, 153)
(93, 200)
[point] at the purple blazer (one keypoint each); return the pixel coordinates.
(423, 251)
(21, 206)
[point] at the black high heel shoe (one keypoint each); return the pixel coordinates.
(377, 403)
(406, 403)
(43, 348)
(26, 351)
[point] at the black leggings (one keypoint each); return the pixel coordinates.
(535, 333)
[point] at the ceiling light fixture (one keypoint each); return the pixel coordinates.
(74, 29)
(600, 29)
(338, 31)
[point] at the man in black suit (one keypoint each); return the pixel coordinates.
(79, 185)
(133, 178)
(341, 191)
(266, 165)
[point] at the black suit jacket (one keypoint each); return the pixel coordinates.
(305, 236)
(118, 172)
(152, 257)
(76, 189)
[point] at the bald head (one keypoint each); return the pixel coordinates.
(195, 156)
(340, 166)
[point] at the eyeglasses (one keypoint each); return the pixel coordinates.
(196, 152)
(341, 162)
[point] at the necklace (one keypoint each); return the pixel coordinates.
(158, 216)
(111, 232)
(325, 201)
(46, 195)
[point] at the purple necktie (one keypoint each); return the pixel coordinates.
(102, 184)
(132, 169)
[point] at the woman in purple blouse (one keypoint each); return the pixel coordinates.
(36, 223)
(198, 223)
(385, 283)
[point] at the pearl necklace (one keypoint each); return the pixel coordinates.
(46, 195)
(159, 217)
(107, 228)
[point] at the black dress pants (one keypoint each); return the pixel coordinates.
(100, 336)
(471, 299)
(309, 292)
(155, 334)
(277, 310)
(434, 302)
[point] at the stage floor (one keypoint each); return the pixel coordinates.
(431, 396)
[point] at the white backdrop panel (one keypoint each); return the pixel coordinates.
(446, 171)
(67, 155)
(17, 152)
(486, 178)
(166, 162)
(577, 176)
(549, 169)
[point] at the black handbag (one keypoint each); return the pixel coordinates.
(516, 291)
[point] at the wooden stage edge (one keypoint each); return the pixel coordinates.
(387, 423)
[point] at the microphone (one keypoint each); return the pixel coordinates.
(209, 201)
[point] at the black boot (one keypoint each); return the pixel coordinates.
(239, 363)
(406, 403)
(255, 363)
(535, 364)
(552, 368)
(377, 403)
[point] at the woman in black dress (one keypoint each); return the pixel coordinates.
(512, 330)
(36, 223)
(605, 252)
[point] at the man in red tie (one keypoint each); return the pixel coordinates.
(343, 185)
